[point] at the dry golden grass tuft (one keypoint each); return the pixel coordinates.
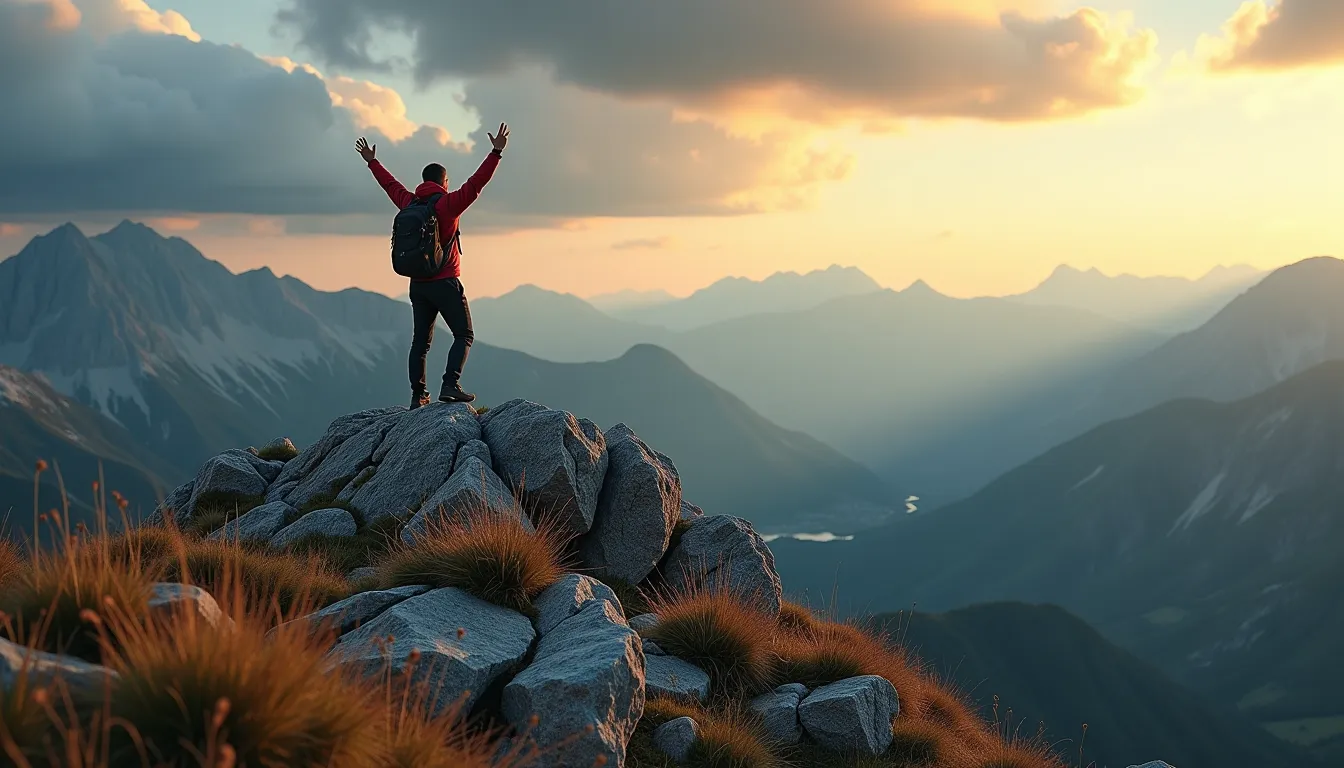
(924, 744)
(1015, 753)
(834, 652)
(488, 553)
(732, 740)
(44, 603)
(228, 568)
(719, 632)
(797, 619)
(193, 690)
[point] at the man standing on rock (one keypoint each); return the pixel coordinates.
(440, 293)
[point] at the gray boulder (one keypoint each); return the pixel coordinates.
(471, 488)
(415, 459)
(260, 523)
(673, 678)
(720, 551)
(358, 610)
(328, 522)
(639, 503)
(228, 474)
(279, 491)
(338, 432)
(465, 644)
(778, 713)
(585, 685)
(652, 649)
(171, 601)
(39, 669)
(176, 505)
(644, 622)
(351, 488)
(269, 470)
(567, 597)
(675, 738)
(798, 688)
(328, 478)
(558, 461)
(851, 716)
(472, 449)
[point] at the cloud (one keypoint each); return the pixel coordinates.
(807, 60)
(1284, 34)
(643, 244)
(110, 107)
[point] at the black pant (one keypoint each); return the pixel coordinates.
(428, 301)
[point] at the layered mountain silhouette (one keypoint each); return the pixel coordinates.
(1163, 304)
(184, 358)
(1203, 536)
(1032, 665)
(734, 297)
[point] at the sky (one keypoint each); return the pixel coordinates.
(975, 144)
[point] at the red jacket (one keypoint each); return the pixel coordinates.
(449, 208)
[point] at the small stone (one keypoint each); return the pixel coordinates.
(567, 597)
(42, 669)
(181, 600)
(675, 738)
(671, 677)
(361, 574)
(354, 612)
(644, 622)
(653, 649)
(851, 716)
(281, 449)
(778, 714)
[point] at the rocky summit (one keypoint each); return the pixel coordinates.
(584, 665)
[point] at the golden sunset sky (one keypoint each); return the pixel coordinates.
(976, 144)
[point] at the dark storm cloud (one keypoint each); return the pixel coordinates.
(892, 58)
(124, 120)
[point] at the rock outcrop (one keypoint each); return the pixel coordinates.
(851, 716)
(556, 461)
(572, 675)
(465, 644)
(723, 552)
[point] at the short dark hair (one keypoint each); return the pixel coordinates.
(434, 172)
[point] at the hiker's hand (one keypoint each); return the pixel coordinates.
(364, 150)
(500, 140)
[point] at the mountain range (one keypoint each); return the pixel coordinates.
(1162, 304)
(179, 359)
(1202, 536)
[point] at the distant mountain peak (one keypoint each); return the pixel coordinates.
(919, 288)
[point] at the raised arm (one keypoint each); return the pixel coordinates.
(457, 201)
(396, 191)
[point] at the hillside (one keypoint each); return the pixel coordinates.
(36, 422)
(1289, 322)
(1162, 304)
(1047, 666)
(730, 456)
(556, 326)
(1202, 536)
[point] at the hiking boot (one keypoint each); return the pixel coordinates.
(455, 395)
(419, 399)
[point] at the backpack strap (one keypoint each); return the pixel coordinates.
(433, 200)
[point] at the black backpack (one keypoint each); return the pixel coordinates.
(416, 250)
